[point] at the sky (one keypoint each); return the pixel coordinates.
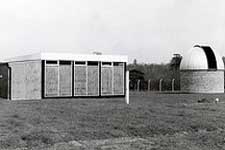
(150, 31)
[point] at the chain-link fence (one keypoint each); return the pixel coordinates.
(155, 85)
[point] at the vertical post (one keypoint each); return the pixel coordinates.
(58, 79)
(73, 79)
(138, 85)
(160, 85)
(173, 82)
(149, 85)
(127, 87)
(86, 78)
(8, 85)
(100, 79)
(44, 77)
(112, 67)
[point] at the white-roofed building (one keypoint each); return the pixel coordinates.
(48, 75)
(202, 71)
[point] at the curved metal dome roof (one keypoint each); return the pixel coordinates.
(201, 58)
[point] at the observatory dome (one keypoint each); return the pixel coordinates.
(202, 71)
(201, 58)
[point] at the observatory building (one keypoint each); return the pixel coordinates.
(202, 71)
(50, 75)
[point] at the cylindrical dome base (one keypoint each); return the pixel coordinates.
(202, 81)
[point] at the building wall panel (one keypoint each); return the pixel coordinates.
(93, 81)
(65, 80)
(118, 80)
(51, 81)
(18, 80)
(106, 81)
(33, 80)
(25, 80)
(80, 81)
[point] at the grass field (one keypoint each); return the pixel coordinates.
(171, 121)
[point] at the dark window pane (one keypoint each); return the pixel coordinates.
(117, 64)
(80, 62)
(92, 63)
(65, 62)
(106, 63)
(51, 62)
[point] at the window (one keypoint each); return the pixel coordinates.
(106, 63)
(92, 63)
(80, 63)
(65, 62)
(117, 64)
(51, 62)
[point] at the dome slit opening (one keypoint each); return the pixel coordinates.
(211, 58)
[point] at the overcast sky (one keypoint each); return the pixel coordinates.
(148, 30)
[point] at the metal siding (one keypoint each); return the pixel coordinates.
(80, 81)
(51, 81)
(118, 82)
(93, 81)
(106, 85)
(65, 80)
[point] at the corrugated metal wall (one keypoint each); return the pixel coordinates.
(118, 78)
(65, 79)
(80, 80)
(52, 80)
(112, 76)
(93, 80)
(107, 84)
(58, 78)
(87, 77)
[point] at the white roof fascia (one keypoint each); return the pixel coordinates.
(36, 56)
(70, 56)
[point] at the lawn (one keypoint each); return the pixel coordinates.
(172, 121)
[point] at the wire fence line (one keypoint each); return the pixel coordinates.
(155, 85)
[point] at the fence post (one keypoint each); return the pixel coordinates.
(173, 83)
(127, 88)
(138, 85)
(160, 85)
(149, 85)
